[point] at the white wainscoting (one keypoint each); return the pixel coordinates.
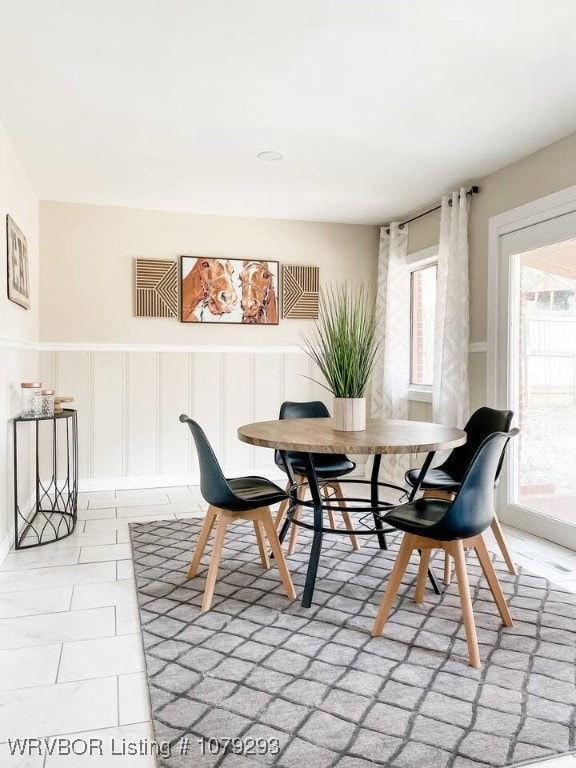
(129, 400)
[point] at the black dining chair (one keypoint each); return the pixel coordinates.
(327, 466)
(443, 481)
(241, 498)
(433, 523)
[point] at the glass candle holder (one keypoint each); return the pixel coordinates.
(47, 402)
(30, 399)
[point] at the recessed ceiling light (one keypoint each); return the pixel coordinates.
(270, 155)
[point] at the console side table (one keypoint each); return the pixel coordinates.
(51, 513)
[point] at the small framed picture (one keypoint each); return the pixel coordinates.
(18, 270)
(228, 291)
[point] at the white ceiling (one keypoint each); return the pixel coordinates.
(378, 105)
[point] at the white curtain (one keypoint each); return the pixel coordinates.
(451, 330)
(389, 391)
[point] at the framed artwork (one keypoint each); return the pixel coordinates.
(156, 283)
(228, 291)
(300, 291)
(18, 269)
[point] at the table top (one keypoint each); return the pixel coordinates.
(380, 436)
(65, 413)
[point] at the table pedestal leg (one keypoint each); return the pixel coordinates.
(317, 540)
(374, 500)
(313, 564)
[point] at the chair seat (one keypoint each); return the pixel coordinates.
(327, 467)
(421, 517)
(434, 479)
(258, 490)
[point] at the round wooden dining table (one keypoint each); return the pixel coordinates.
(381, 436)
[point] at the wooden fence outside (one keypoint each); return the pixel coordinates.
(549, 361)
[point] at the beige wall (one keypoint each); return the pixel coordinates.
(18, 327)
(548, 170)
(87, 263)
(224, 375)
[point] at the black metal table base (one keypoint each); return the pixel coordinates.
(374, 510)
(50, 513)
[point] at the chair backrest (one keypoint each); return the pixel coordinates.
(472, 510)
(213, 485)
(315, 409)
(482, 423)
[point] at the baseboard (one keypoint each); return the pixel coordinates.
(161, 481)
(87, 485)
(132, 483)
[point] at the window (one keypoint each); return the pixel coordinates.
(422, 271)
(422, 312)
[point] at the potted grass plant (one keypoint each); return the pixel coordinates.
(345, 347)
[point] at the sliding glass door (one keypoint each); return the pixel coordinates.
(537, 374)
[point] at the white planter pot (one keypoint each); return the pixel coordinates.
(350, 414)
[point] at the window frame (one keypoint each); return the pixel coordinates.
(415, 261)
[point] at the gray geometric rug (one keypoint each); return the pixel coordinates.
(261, 681)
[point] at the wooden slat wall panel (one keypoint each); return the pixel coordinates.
(300, 291)
(156, 288)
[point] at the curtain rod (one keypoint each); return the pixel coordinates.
(472, 191)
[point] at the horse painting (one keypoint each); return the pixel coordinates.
(207, 288)
(258, 300)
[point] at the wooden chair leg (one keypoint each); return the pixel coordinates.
(326, 490)
(294, 532)
(394, 582)
(297, 515)
(278, 554)
(499, 536)
(447, 569)
(346, 517)
(202, 541)
(422, 575)
(223, 520)
(350, 527)
(280, 514)
(282, 509)
(261, 539)
(457, 551)
(492, 579)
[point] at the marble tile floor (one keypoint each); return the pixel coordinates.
(71, 661)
